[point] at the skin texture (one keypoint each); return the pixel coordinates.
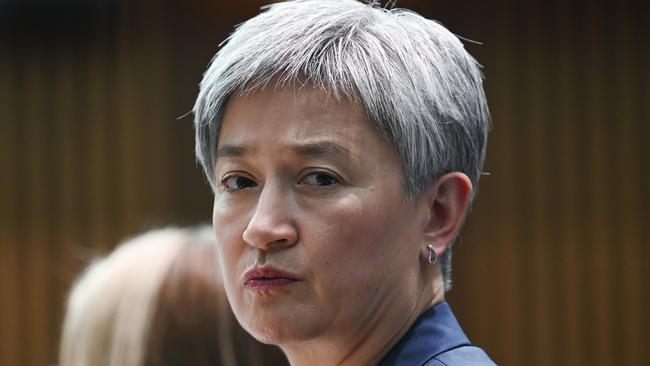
(310, 188)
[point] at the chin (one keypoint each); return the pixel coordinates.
(269, 327)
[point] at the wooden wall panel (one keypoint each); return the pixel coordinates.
(563, 208)
(9, 286)
(552, 265)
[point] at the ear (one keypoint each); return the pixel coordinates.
(447, 200)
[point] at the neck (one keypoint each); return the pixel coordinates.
(367, 346)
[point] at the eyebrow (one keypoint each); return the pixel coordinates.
(315, 149)
(231, 151)
(322, 148)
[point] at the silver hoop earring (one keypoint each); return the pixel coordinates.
(433, 257)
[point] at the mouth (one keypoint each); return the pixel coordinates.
(268, 278)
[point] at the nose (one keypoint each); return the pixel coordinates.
(271, 226)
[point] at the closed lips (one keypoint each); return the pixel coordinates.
(268, 276)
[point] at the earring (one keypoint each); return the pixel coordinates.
(433, 257)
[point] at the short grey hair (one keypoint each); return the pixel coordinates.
(418, 85)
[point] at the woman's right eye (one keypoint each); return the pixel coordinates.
(234, 182)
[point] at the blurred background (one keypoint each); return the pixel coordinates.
(551, 268)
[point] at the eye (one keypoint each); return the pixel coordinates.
(321, 179)
(235, 182)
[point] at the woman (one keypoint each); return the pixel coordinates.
(344, 144)
(157, 300)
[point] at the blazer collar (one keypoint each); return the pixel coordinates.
(434, 332)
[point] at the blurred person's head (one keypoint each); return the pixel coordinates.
(157, 299)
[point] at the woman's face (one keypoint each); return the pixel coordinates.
(316, 236)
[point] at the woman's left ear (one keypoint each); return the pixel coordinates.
(447, 200)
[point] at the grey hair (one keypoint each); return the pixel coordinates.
(418, 85)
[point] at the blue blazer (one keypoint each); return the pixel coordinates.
(436, 339)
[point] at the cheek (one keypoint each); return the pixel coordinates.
(229, 221)
(353, 237)
(229, 257)
(230, 247)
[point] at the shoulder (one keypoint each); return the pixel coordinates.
(465, 356)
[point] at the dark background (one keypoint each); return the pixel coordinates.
(551, 268)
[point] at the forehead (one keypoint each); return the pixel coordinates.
(280, 116)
